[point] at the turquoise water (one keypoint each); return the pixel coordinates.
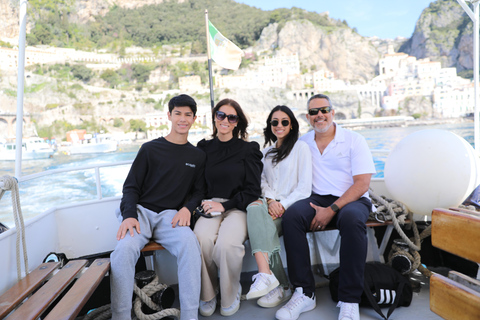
(40, 194)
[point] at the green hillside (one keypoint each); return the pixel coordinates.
(156, 25)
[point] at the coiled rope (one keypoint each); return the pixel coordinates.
(397, 212)
(11, 183)
(142, 295)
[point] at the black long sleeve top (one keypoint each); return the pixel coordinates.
(164, 175)
(233, 171)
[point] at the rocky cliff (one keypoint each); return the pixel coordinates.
(8, 18)
(341, 50)
(444, 33)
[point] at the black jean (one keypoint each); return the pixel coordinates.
(350, 221)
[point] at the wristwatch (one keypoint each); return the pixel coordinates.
(335, 208)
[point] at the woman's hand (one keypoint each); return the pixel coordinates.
(212, 206)
(275, 209)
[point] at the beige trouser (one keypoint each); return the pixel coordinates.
(221, 241)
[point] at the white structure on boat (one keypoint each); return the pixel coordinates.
(32, 149)
(80, 142)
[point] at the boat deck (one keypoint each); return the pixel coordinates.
(326, 307)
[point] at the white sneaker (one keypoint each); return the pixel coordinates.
(348, 311)
(298, 303)
(235, 305)
(275, 297)
(262, 284)
(207, 308)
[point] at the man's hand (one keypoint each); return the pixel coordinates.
(275, 209)
(182, 218)
(128, 225)
(322, 217)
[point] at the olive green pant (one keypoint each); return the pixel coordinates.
(264, 233)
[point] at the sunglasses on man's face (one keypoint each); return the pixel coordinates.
(314, 111)
(275, 123)
(232, 118)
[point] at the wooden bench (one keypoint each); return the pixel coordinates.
(149, 250)
(46, 283)
(152, 246)
(375, 251)
(458, 296)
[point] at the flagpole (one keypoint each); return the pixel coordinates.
(210, 79)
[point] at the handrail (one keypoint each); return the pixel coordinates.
(96, 167)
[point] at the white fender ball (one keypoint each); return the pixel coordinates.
(431, 169)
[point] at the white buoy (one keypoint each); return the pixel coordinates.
(431, 169)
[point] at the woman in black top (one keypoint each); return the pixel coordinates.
(232, 173)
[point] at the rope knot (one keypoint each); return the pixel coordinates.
(9, 182)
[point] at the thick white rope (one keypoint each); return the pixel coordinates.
(396, 223)
(143, 295)
(10, 183)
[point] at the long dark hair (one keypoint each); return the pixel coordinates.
(240, 131)
(287, 145)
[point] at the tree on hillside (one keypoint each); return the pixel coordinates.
(81, 72)
(111, 77)
(137, 125)
(141, 72)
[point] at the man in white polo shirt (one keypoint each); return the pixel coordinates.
(342, 169)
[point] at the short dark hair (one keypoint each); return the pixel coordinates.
(240, 131)
(281, 153)
(319, 96)
(182, 100)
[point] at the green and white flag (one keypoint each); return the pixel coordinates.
(223, 51)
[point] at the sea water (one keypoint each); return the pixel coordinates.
(40, 194)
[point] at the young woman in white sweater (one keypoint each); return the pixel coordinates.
(286, 178)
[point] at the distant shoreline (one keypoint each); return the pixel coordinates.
(407, 124)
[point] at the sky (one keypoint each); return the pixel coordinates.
(381, 18)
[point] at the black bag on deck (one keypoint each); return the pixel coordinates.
(383, 287)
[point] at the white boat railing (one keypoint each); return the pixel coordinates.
(96, 167)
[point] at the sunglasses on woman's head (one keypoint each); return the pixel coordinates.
(314, 111)
(275, 123)
(232, 118)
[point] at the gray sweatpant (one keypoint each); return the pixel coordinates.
(179, 241)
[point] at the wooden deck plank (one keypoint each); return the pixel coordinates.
(71, 304)
(16, 294)
(452, 300)
(37, 303)
(457, 233)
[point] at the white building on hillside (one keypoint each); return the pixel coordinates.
(275, 72)
(453, 102)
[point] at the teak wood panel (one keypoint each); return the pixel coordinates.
(457, 233)
(453, 301)
(16, 294)
(39, 302)
(71, 304)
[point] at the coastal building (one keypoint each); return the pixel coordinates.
(275, 72)
(9, 57)
(51, 55)
(159, 75)
(191, 83)
(454, 101)
(158, 124)
(406, 77)
(324, 80)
